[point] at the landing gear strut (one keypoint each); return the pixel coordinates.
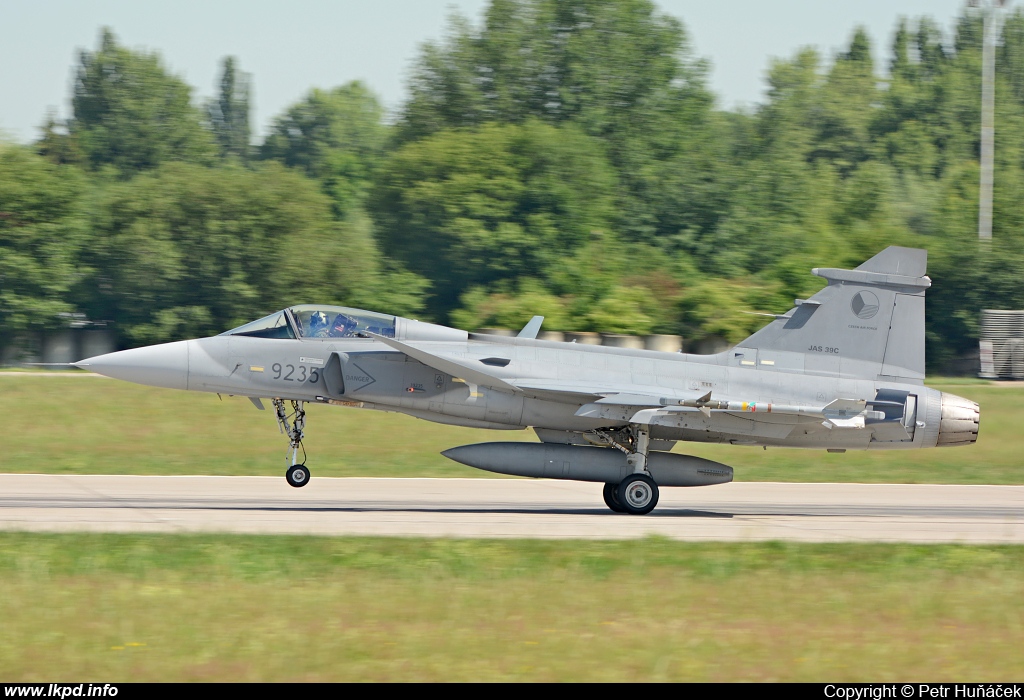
(293, 426)
(637, 494)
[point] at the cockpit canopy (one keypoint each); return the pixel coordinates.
(319, 321)
(273, 326)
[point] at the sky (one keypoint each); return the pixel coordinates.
(291, 47)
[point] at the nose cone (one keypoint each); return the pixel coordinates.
(163, 365)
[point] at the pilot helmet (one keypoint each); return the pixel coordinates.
(317, 320)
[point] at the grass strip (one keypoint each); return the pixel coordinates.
(204, 607)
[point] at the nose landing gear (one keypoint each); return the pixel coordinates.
(293, 426)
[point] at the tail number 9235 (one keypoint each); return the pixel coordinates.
(293, 373)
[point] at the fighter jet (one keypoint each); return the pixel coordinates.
(840, 371)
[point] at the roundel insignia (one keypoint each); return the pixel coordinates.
(864, 304)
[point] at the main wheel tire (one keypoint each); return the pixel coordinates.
(637, 494)
(611, 498)
(297, 475)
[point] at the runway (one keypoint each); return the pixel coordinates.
(510, 508)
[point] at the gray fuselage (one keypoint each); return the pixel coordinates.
(369, 374)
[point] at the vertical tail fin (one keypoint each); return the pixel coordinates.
(867, 323)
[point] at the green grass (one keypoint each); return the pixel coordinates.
(209, 608)
(90, 425)
(969, 381)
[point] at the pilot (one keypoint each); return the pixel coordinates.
(318, 325)
(343, 327)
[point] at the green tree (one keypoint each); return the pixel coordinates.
(612, 67)
(185, 251)
(900, 65)
(56, 144)
(722, 308)
(337, 137)
(617, 70)
(41, 233)
(229, 113)
(848, 102)
(779, 206)
(129, 112)
(511, 307)
(624, 310)
(474, 206)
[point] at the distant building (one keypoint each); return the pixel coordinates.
(75, 339)
(1002, 344)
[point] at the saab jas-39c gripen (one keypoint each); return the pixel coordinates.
(841, 370)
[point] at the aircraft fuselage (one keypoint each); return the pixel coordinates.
(369, 374)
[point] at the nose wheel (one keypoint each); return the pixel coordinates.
(293, 425)
(297, 475)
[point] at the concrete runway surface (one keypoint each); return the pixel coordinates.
(509, 508)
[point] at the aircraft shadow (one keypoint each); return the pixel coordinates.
(666, 513)
(321, 508)
(1009, 514)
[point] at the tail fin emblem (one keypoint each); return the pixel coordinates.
(864, 304)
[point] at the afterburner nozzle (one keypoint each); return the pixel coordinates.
(959, 421)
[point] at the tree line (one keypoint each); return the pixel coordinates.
(564, 158)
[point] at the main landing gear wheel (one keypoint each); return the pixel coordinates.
(637, 494)
(297, 475)
(611, 499)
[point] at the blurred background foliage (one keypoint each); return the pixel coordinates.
(564, 158)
